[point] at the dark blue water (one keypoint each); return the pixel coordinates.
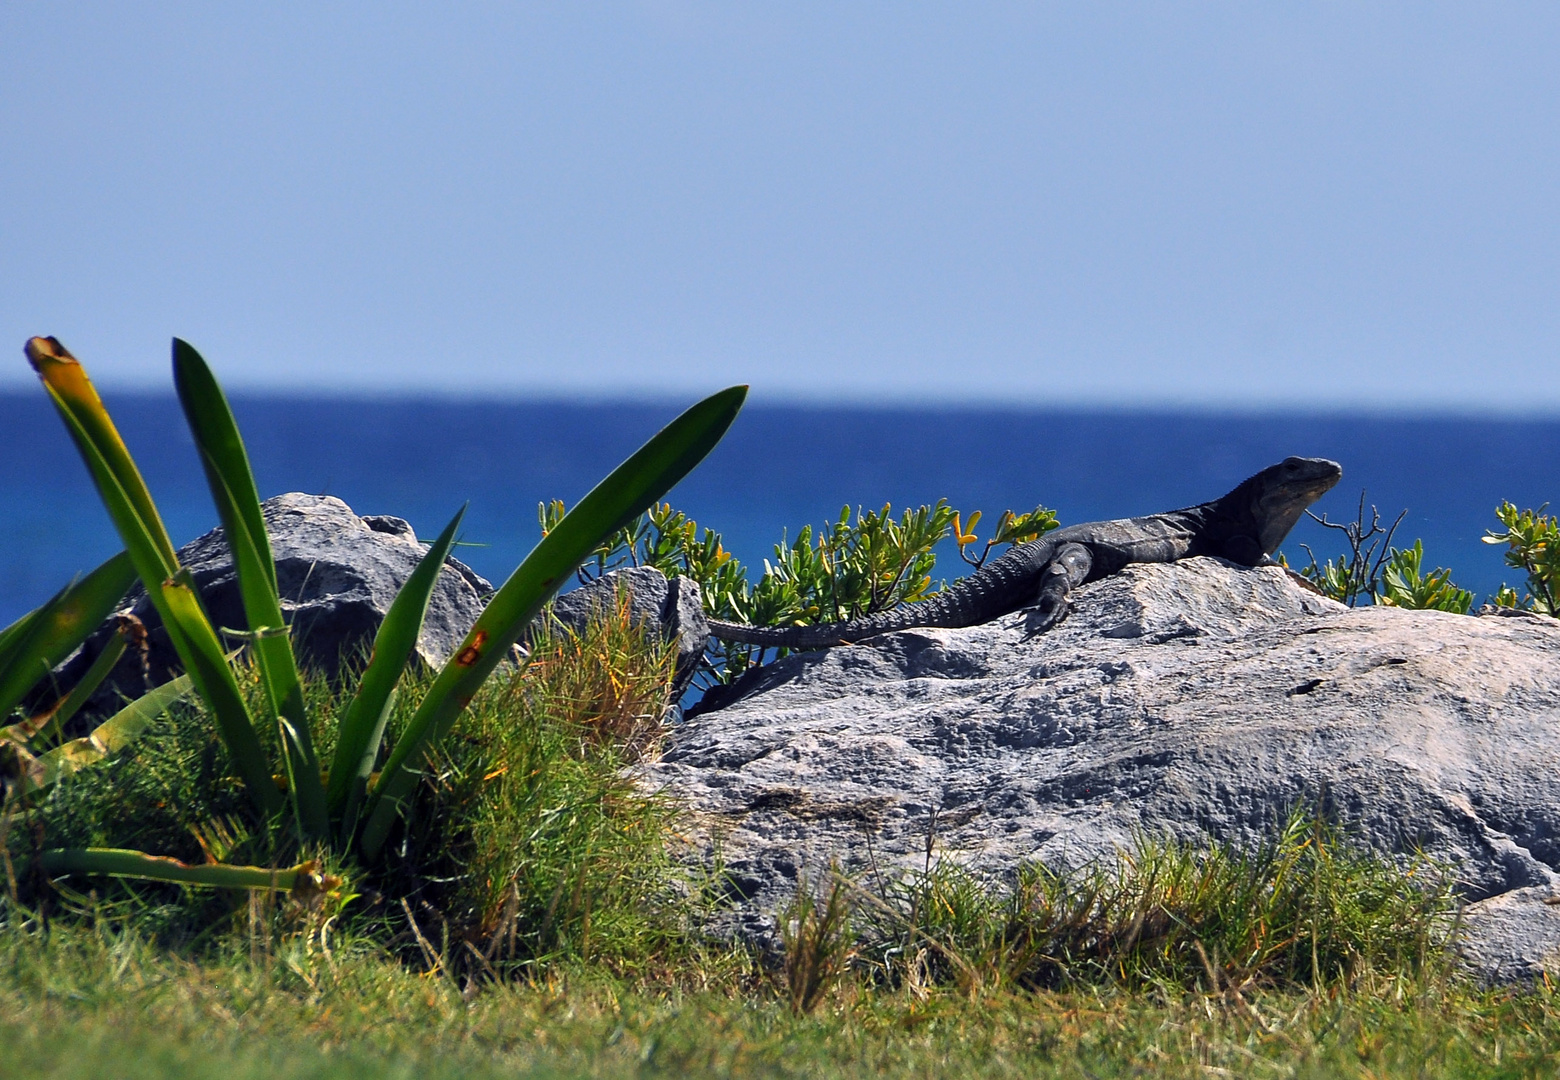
(779, 467)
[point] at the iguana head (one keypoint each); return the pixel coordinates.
(1279, 494)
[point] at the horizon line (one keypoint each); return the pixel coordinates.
(855, 402)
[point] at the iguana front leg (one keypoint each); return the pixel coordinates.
(1246, 551)
(1065, 573)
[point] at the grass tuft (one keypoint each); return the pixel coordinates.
(88, 999)
(816, 943)
(1306, 908)
(548, 852)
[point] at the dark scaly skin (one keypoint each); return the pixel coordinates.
(1246, 526)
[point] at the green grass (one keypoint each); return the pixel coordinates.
(1305, 909)
(96, 1000)
(536, 919)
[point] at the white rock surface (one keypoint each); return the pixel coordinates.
(1196, 699)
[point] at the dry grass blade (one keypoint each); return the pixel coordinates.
(583, 676)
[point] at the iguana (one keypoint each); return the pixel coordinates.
(1246, 526)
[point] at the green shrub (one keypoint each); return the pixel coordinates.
(556, 852)
(834, 573)
(1532, 540)
(171, 790)
(1371, 569)
(533, 843)
(1403, 586)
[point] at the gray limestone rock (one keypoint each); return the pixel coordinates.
(1195, 699)
(336, 573)
(1514, 937)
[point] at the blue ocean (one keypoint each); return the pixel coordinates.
(780, 467)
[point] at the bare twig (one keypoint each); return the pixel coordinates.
(1369, 549)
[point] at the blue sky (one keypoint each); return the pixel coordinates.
(1205, 204)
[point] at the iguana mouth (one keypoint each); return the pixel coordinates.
(1291, 486)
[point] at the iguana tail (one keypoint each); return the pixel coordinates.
(823, 635)
(1003, 585)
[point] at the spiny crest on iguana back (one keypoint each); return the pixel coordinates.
(1245, 526)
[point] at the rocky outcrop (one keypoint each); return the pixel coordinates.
(336, 574)
(1196, 699)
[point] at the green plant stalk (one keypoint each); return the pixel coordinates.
(35, 644)
(117, 862)
(626, 493)
(268, 641)
(209, 669)
(363, 724)
(146, 541)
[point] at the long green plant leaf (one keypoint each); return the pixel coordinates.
(107, 739)
(631, 488)
(212, 674)
(135, 517)
(211, 422)
(233, 489)
(363, 724)
(119, 862)
(76, 398)
(55, 630)
(12, 636)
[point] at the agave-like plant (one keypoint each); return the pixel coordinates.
(345, 807)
